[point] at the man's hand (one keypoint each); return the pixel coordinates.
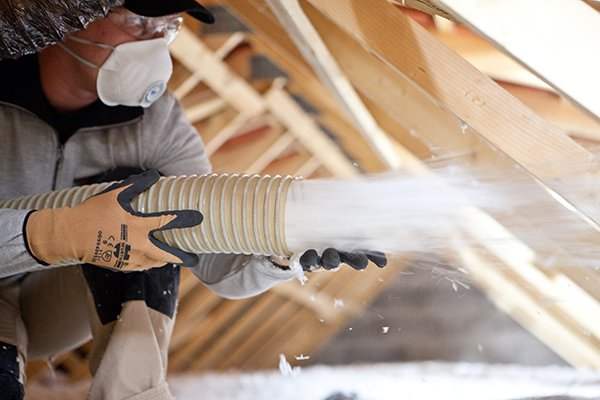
(332, 258)
(105, 230)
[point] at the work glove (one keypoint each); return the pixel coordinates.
(332, 258)
(106, 231)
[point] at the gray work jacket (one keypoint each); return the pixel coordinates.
(32, 160)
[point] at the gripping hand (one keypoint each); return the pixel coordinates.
(106, 231)
(332, 258)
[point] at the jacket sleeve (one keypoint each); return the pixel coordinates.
(172, 145)
(14, 257)
(234, 277)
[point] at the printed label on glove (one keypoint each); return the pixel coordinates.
(111, 250)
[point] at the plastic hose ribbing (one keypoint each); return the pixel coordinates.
(243, 214)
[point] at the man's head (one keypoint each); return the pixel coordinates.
(124, 56)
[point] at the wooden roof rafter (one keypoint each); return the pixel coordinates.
(498, 64)
(311, 45)
(239, 94)
(578, 48)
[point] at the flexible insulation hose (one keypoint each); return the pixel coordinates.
(243, 214)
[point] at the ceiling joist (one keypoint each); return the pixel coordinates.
(311, 45)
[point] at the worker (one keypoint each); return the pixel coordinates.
(93, 108)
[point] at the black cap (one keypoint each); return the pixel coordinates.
(159, 8)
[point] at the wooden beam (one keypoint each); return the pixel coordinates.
(215, 322)
(594, 4)
(300, 320)
(200, 94)
(424, 6)
(345, 284)
(560, 45)
(233, 336)
(521, 83)
(271, 339)
(237, 92)
(188, 282)
(188, 49)
(289, 164)
(179, 75)
(271, 39)
(488, 59)
(204, 110)
(304, 128)
(548, 105)
(279, 312)
(192, 310)
(250, 329)
(558, 111)
(570, 343)
(196, 77)
(319, 302)
(581, 305)
(210, 128)
(308, 168)
(240, 153)
(234, 126)
(520, 259)
(402, 100)
(271, 153)
(417, 58)
(311, 45)
(588, 280)
(292, 340)
(444, 24)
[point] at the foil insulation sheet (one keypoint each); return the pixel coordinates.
(27, 26)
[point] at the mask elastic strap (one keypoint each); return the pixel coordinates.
(84, 41)
(78, 57)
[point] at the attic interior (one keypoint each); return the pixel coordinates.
(345, 89)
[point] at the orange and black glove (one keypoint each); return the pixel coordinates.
(106, 231)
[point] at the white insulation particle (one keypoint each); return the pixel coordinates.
(285, 367)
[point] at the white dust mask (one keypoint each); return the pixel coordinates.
(135, 74)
